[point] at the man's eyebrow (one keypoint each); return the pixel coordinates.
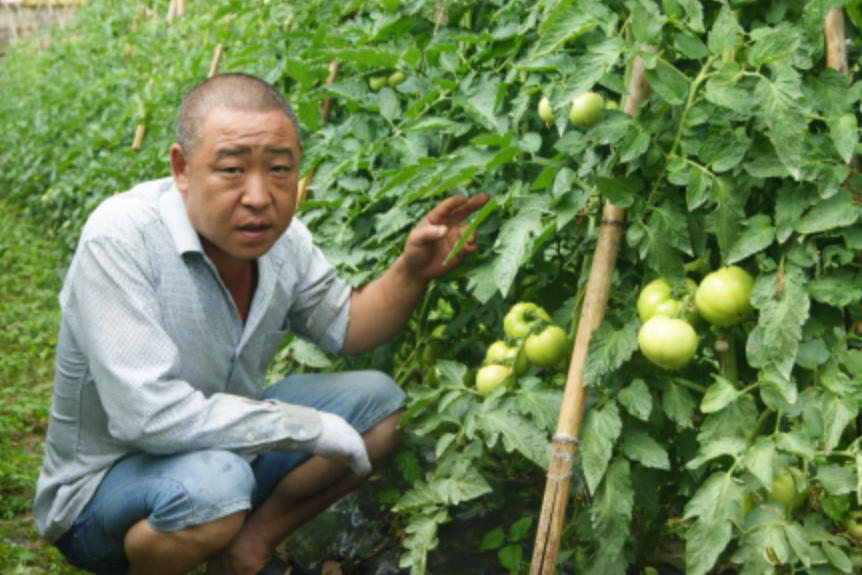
(228, 152)
(281, 151)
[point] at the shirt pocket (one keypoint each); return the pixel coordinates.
(271, 343)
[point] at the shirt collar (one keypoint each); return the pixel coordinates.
(176, 219)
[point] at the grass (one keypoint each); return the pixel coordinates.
(30, 280)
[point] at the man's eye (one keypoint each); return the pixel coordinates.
(231, 170)
(281, 169)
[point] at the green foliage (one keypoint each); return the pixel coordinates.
(740, 155)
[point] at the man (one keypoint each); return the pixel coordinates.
(163, 451)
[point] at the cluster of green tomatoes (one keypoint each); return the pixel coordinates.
(586, 110)
(531, 338)
(394, 79)
(667, 337)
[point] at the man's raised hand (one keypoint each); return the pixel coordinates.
(433, 239)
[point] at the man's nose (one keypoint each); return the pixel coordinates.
(256, 194)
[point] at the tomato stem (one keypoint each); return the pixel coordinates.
(689, 384)
(727, 354)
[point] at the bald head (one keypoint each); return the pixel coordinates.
(238, 92)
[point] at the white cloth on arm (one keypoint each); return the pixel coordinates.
(153, 356)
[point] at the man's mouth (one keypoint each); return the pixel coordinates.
(253, 232)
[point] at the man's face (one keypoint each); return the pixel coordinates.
(240, 184)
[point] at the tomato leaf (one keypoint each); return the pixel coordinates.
(837, 413)
(678, 404)
(639, 446)
(722, 36)
(715, 504)
(837, 557)
(515, 241)
(719, 395)
(609, 349)
(758, 235)
(835, 479)
(600, 430)
(516, 433)
(784, 114)
(637, 399)
(611, 512)
(494, 539)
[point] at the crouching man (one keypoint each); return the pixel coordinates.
(164, 451)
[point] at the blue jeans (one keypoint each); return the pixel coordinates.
(174, 492)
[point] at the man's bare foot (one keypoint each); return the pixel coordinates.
(331, 568)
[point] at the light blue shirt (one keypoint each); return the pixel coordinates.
(153, 356)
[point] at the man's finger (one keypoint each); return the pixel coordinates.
(428, 233)
(474, 203)
(442, 212)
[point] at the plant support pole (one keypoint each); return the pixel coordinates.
(219, 52)
(836, 50)
(325, 109)
(565, 441)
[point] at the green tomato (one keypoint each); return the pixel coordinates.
(376, 82)
(396, 78)
(668, 343)
(432, 351)
(521, 317)
(586, 110)
(783, 490)
(854, 524)
(656, 299)
(546, 112)
(612, 105)
(502, 354)
(724, 296)
(547, 348)
(491, 377)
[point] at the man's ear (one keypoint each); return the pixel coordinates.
(180, 168)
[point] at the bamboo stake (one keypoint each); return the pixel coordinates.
(325, 109)
(836, 47)
(139, 137)
(565, 442)
(181, 8)
(219, 52)
(836, 51)
(172, 10)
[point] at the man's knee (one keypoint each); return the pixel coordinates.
(216, 484)
(383, 397)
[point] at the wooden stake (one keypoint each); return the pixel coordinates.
(325, 109)
(219, 52)
(139, 137)
(836, 51)
(836, 44)
(172, 11)
(565, 442)
(181, 8)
